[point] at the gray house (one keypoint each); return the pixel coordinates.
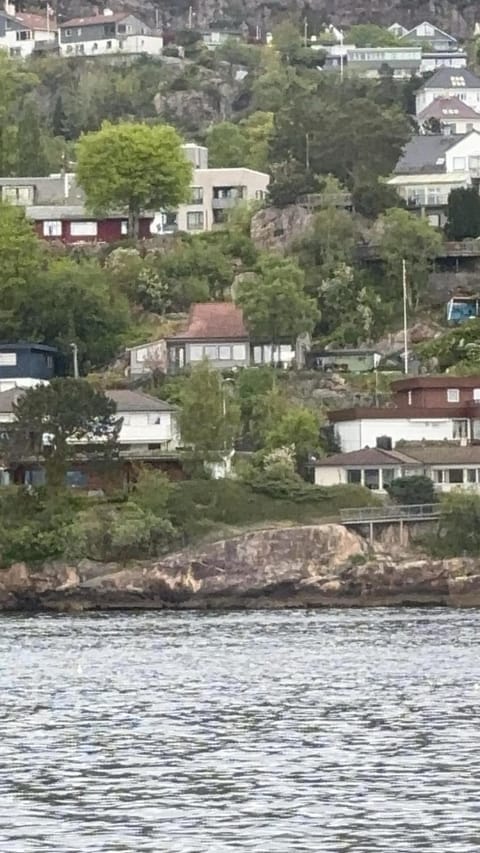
(216, 331)
(108, 33)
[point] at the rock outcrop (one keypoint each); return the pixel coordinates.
(315, 566)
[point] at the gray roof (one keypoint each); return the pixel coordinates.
(423, 153)
(449, 78)
(365, 457)
(49, 190)
(135, 401)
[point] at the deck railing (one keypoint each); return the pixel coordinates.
(390, 513)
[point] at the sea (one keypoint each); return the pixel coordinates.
(319, 731)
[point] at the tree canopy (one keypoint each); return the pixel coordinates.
(410, 238)
(133, 166)
(209, 417)
(463, 213)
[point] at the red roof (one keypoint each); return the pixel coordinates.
(95, 19)
(448, 108)
(214, 321)
(36, 22)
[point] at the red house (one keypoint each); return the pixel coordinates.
(73, 224)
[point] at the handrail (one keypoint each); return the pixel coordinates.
(390, 512)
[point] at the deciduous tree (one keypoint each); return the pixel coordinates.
(410, 238)
(463, 214)
(133, 166)
(209, 416)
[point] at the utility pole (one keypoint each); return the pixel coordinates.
(405, 319)
(190, 17)
(305, 31)
(307, 151)
(75, 360)
(341, 55)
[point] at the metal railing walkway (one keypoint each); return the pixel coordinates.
(390, 513)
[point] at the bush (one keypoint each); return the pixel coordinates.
(459, 526)
(107, 533)
(412, 490)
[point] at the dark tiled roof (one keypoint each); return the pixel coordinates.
(423, 153)
(447, 108)
(365, 457)
(449, 78)
(95, 19)
(136, 401)
(444, 453)
(210, 321)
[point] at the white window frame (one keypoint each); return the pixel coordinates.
(197, 217)
(456, 161)
(52, 228)
(84, 228)
(8, 359)
(196, 352)
(239, 352)
(224, 352)
(124, 227)
(453, 395)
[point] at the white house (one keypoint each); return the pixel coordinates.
(108, 33)
(431, 60)
(451, 467)
(148, 425)
(146, 357)
(23, 33)
(431, 166)
(449, 83)
(453, 115)
(214, 192)
(430, 37)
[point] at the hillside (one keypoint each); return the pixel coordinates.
(454, 15)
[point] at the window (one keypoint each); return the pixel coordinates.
(52, 228)
(211, 351)
(388, 474)
(372, 478)
(259, 195)
(476, 395)
(460, 428)
(83, 229)
(438, 476)
(458, 164)
(68, 33)
(196, 195)
(409, 398)
(453, 395)
(79, 31)
(225, 353)
(8, 359)
(194, 221)
(239, 352)
(196, 352)
(124, 227)
(471, 475)
(108, 45)
(354, 476)
(455, 475)
(95, 46)
(76, 479)
(122, 28)
(18, 195)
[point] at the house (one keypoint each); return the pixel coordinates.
(147, 357)
(52, 189)
(214, 192)
(453, 115)
(449, 83)
(108, 33)
(432, 60)
(74, 224)
(429, 36)
(215, 38)
(24, 365)
(431, 166)
(216, 331)
(397, 30)
(450, 466)
(344, 360)
(403, 62)
(423, 408)
(148, 435)
(24, 33)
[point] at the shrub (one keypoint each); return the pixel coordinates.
(106, 533)
(459, 526)
(412, 490)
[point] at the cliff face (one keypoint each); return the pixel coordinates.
(456, 16)
(314, 566)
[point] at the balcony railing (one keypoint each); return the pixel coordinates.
(390, 512)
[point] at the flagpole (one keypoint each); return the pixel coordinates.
(405, 319)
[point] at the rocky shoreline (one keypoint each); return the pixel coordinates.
(312, 566)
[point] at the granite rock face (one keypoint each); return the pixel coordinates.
(312, 566)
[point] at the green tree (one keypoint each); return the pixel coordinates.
(371, 35)
(410, 238)
(22, 255)
(257, 129)
(459, 526)
(209, 418)
(15, 82)
(275, 304)
(227, 145)
(135, 166)
(297, 428)
(51, 419)
(63, 303)
(328, 243)
(32, 142)
(463, 214)
(412, 490)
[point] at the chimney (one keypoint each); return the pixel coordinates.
(10, 8)
(107, 12)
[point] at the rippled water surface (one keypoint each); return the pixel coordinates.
(273, 732)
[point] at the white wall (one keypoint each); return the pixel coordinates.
(152, 45)
(329, 475)
(149, 357)
(468, 96)
(255, 187)
(141, 428)
(354, 435)
(465, 148)
(9, 41)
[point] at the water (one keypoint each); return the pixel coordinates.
(270, 732)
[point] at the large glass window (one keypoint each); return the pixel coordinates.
(460, 428)
(224, 353)
(372, 478)
(52, 228)
(211, 351)
(239, 352)
(471, 475)
(196, 195)
(455, 475)
(354, 476)
(458, 164)
(196, 352)
(195, 220)
(83, 229)
(388, 474)
(438, 476)
(453, 395)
